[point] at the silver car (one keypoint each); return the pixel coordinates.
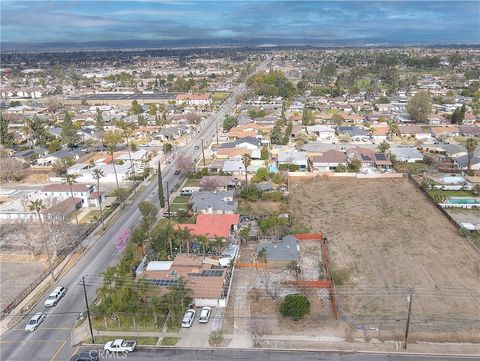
(35, 321)
(188, 318)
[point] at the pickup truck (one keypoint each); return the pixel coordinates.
(120, 345)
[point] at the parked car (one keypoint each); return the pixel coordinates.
(35, 321)
(177, 172)
(91, 355)
(120, 345)
(205, 314)
(188, 318)
(196, 147)
(55, 296)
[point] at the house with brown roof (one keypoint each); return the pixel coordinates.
(327, 161)
(208, 281)
(414, 131)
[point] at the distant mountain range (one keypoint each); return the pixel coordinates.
(198, 43)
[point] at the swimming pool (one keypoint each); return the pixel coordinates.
(453, 179)
(462, 201)
(272, 168)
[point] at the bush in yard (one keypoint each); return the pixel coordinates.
(251, 193)
(215, 338)
(295, 306)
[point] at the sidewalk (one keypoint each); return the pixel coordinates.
(318, 343)
(16, 314)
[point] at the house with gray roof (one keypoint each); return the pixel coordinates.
(352, 131)
(245, 142)
(293, 157)
(214, 202)
(408, 155)
(279, 253)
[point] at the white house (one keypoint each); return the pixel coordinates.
(293, 157)
(323, 132)
(409, 155)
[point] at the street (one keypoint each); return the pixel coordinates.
(52, 340)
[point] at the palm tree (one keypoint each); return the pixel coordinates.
(127, 131)
(471, 145)
(70, 179)
(112, 139)
(246, 160)
(97, 174)
(38, 206)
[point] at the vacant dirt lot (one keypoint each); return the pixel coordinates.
(384, 237)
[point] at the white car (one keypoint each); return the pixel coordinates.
(205, 314)
(55, 296)
(188, 318)
(35, 321)
(120, 345)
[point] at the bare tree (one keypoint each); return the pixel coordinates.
(258, 328)
(185, 164)
(272, 287)
(210, 184)
(61, 234)
(12, 169)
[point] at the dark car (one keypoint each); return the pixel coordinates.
(177, 172)
(91, 355)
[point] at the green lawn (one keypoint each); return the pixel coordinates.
(181, 199)
(170, 341)
(192, 183)
(451, 193)
(125, 323)
(141, 340)
(175, 207)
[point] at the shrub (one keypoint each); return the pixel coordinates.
(251, 193)
(272, 196)
(295, 306)
(215, 338)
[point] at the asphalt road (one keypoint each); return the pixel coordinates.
(268, 355)
(52, 341)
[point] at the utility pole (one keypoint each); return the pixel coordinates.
(203, 154)
(410, 300)
(88, 309)
(216, 129)
(168, 201)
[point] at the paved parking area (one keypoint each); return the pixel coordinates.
(197, 335)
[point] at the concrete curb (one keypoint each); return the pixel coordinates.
(153, 348)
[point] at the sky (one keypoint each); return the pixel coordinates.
(248, 22)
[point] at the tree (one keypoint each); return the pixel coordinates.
(288, 133)
(355, 165)
(419, 106)
(276, 136)
(70, 179)
(54, 146)
(6, 138)
(471, 145)
(261, 175)
(246, 160)
(135, 108)
(229, 122)
(341, 168)
(68, 133)
(113, 139)
(127, 132)
(295, 306)
(161, 195)
(458, 115)
(307, 117)
(148, 211)
(37, 206)
(383, 147)
(184, 164)
(97, 174)
(264, 154)
(167, 148)
(11, 169)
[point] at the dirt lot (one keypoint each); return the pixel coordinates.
(384, 236)
(16, 274)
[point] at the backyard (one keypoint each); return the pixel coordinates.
(384, 236)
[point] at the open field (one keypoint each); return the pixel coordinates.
(384, 236)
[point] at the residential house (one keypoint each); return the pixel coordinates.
(213, 226)
(280, 253)
(219, 183)
(213, 202)
(414, 131)
(461, 162)
(408, 155)
(139, 159)
(194, 99)
(207, 279)
(328, 161)
(245, 142)
(59, 155)
(62, 191)
(356, 133)
(379, 134)
(322, 132)
(293, 157)
(85, 172)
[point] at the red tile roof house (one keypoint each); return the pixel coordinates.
(213, 225)
(193, 99)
